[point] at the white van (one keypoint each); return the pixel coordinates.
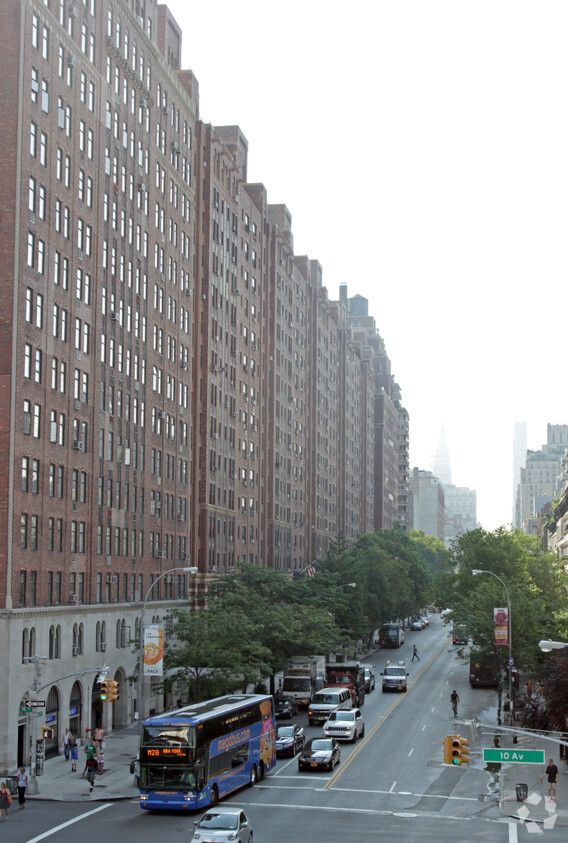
(326, 701)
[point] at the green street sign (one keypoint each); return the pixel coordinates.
(515, 756)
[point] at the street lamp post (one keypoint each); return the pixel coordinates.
(475, 573)
(139, 701)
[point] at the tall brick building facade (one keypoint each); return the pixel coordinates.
(178, 388)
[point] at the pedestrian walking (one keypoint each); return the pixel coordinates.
(552, 773)
(22, 787)
(74, 756)
(92, 765)
(99, 737)
(5, 799)
(66, 743)
(90, 751)
(415, 654)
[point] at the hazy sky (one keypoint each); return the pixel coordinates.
(422, 150)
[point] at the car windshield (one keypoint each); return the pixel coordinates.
(394, 671)
(285, 732)
(321, 744)
(325, 698)
(222, 821)
(341, 715)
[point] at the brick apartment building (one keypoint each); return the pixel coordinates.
(178, 387)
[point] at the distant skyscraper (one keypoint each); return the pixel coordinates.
(519, 461)
(441, 465)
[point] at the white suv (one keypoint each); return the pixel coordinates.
(344, 725)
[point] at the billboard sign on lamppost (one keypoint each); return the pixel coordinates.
(501, 627)
(153, 650)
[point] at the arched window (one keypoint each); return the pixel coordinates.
(32, 648)
(80, 638)
(103, 636)
(76, 650)
(52, 642)
(25, 644)
(57, 642)
(118, 635)
(98, 637)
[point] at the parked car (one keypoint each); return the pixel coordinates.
(319, 754)
(289, 739)
(286, 708)
(370, 682)
(223, 824)
(344, 725)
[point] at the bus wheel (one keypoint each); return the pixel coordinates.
(214, 796)
(252, 775)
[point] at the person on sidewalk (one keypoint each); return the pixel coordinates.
(22, 787)
(5, 799)
(74, 756)
(91, 771)
(99, 737)
(415, 654)
(90, 751)
(66, 743)
(552, 773)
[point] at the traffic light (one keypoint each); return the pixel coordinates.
(47, 733)
(448, 749)
(460, 750)
(114, 690)
(105, 690)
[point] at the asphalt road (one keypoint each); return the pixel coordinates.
(391, 784)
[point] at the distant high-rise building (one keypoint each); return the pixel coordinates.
(460, 505)
(539, 477)
(441, 464)
(519, 461)
(427, 503)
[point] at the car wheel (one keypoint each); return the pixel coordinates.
(363, 731)
(252, 780)
(214, 796)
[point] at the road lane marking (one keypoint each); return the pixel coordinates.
(368, 735)
(411, 751)
(68, 823)
(393, 787)
(390, 792)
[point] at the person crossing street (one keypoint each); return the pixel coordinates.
(415, 654)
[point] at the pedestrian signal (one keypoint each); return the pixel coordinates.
(114, 690)
(105, 689)
(47, 734)
(460, 750)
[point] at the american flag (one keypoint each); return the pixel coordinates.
(310, 571)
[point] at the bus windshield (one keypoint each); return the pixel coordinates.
(167, 735)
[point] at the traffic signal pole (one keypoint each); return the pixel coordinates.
(33, 788)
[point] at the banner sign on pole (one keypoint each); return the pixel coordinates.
(153, 650)
(501, 627)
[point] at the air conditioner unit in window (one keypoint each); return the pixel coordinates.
(160, 554)
(73, 598)
(76, 651)
(114, 316)
(144, 103)
(102, 647)
(71, 61)
(185, 557)
(73, 12)
(77, 445)
(142, 187)
(161, 414)
(112, 579)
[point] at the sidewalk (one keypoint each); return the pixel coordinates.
(536, 807)
(116, 782)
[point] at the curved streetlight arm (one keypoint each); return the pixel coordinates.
(548, 646)
(139, 707)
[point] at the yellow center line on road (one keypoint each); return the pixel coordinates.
(343, 767)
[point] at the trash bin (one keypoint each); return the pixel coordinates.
(522, 792)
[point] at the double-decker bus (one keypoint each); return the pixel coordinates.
(194, 756)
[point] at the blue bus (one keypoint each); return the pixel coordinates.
(194, 756)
